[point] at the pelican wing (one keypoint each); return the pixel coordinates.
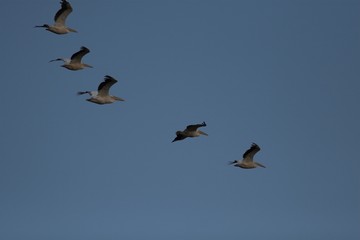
(104, 87)
(195, 127)
(76, 57)
(63, 12)
(249, 154)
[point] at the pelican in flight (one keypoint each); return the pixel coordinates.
(75, 62)
(101, 96)
(190, 131)
(248, 156)
(60, 18)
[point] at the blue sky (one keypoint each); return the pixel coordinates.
(281, 73)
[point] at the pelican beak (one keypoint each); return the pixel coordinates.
(201, 132)
(232, 162)
(42, 26)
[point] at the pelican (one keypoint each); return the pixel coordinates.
(60, 18)
(248, 161)
(190, 131)
(75, 62)
(101, 96)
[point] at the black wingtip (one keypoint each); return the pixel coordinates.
(84, 48)
(254, 145)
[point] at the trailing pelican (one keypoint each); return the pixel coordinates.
(60, 18)
(101, 96)
(190, 131)
(75, 62)
(248, 161)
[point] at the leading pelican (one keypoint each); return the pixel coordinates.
(59, 26)
(190, 131)
(247, 161)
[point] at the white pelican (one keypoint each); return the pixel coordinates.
(60, 18)
(248, 161)
(75, 62)
(190, 131)
(101, 96)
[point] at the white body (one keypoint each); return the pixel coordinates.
(59, 29)
(100, 99)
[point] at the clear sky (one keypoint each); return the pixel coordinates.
(281, 73)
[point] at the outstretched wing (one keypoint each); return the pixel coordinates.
(76, 57)
(249, 154)
(195, 127)
(104, 87)
(64, 11)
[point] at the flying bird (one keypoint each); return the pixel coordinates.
(60, 18)
(190, 131)
(75, 62)
(101, 96)
(247, 161)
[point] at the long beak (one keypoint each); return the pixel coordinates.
(232, 162)
(58, 59)
(201, 132)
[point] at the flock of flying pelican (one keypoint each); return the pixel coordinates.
(102, 96)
